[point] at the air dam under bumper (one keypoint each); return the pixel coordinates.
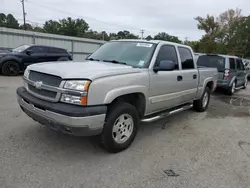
(66, 118)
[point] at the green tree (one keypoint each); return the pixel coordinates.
(8, 21)
(167, 37)
(212, 31)
(149, 37)
(73, 27)
(229, 22)
(51, 26)
(126, 35)
(27, 27)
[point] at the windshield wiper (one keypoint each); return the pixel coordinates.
(91, 59)
(115, 61)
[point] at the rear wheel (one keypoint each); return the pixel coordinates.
(232, 89)
(10, 68)
(201, 105)
(120, 128)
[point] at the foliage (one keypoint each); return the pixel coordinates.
(167, 37)
(229, 33)
(8, 21)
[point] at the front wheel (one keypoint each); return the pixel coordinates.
(201, 105)
(120, 128)
(10, 68)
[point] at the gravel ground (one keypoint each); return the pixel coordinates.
(196, 150)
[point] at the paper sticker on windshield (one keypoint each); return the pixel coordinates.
(147, 45)
(141, 63)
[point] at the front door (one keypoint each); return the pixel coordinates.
(165, 87)
(37, 54)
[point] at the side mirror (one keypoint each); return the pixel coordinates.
(165, 65)
(29, 52)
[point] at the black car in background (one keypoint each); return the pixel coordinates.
(16, 61)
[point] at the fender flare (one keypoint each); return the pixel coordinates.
(117, 92)
(232, 80)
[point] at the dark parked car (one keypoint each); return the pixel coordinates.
(16, 61)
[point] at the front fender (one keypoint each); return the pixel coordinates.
(117, 92)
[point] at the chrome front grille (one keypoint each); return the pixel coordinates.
(47, 79)
(44, 86)
(42, 92)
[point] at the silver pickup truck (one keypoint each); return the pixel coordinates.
(121, 84)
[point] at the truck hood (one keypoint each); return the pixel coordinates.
(82, 70)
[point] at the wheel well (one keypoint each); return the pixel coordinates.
(138, 100)
(210, 85)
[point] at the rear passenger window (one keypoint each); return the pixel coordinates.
(167, 52)
(57, 50)
(240, 65)
(232, 63)
(39, 49)
(187, 60)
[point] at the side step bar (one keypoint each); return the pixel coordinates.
(163, 114)
(237, 88)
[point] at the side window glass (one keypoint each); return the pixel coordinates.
(187, 60)
(232, 63)
(242, 65)
(167, 52)
(239, 64)
(38, 49)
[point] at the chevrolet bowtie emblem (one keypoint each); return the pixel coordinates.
(38, 84)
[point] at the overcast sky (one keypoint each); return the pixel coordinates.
(175, 17)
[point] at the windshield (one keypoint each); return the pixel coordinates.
(136, 54)
(212, 61)
(21, 48)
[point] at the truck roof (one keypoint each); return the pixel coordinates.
(154, 42)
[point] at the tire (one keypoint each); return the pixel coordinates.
(231, 89)
(245, 83)
(10, 68)
(63, 59)
(201, 105)
(115, 124)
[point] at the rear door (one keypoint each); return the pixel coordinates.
(56, 53)
(240, 73)
(189, 74)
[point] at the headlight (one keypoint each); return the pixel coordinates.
(80, 87)
(26, 73)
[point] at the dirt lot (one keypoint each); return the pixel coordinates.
(210, 149)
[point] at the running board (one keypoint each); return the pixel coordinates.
(237, 88)
(163, 114)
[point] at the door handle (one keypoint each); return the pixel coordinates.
(194, 76)
(179, 78)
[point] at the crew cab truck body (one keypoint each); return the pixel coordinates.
(122, 83)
